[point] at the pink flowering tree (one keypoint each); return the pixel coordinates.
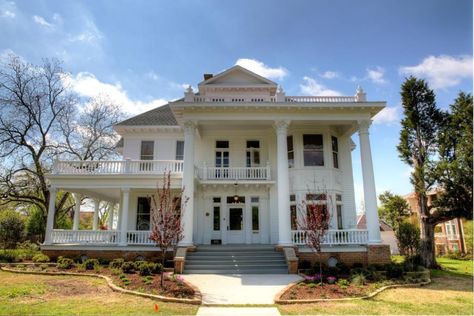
(315, 220)
(166, 212)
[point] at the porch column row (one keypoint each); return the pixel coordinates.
(283, 187)
(370, 195)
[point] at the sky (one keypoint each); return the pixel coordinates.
(143, 53)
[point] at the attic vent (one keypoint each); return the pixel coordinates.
(207, 76)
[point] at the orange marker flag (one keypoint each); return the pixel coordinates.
(156, 308)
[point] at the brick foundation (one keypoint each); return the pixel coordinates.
(375, 254)
(105, 254)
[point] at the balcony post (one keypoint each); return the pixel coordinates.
(127, 165)
(370, 196)
(77, 211)
(95, 220)
(124, 216)
(50, 221)
(283, 186)
(204, 170)
(188, 184)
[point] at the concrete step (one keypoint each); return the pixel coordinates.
(230, 265)
(231, 261)
(237, 271)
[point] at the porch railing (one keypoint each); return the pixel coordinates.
(139, 237)
(234, 173)
(78, 167)
(334, 237)
(66, 236)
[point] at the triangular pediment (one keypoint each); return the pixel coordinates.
(237, 76)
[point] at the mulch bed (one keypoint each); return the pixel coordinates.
(302, 291)
(136, 282)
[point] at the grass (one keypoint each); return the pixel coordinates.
(454, 267)
(23, 294)
(447, 295)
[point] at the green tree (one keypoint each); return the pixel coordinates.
(408, 238)
(394, 209)
(455, 172)
(12, 228)
(418, 145)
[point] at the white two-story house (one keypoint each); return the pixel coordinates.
(247, 156)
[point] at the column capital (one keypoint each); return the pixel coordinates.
(189, 127)
(282, 126)
(125, 190)
(364, 126)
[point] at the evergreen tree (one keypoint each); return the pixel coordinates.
(418, 146)
(394, 209)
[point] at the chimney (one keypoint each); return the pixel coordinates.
(207, 76)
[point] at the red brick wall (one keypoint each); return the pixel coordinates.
(106, 254)
(376, 254)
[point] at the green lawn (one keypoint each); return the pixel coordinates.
(462, 268)
(447, 295)
(23, 294)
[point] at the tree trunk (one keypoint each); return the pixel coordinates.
(427, 245)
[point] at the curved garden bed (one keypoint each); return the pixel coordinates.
(175, 288)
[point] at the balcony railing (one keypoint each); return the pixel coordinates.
(234, 173)
(299, 99)
(334, 237)
(99, 237)
(320, 99)
(78, 167)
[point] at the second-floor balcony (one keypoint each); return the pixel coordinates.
(117, 167)
(158, 167)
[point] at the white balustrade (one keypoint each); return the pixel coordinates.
(65, 236)
(334, 237)
(139, 237)
(319, 99)
(234, 173)
(118, 167)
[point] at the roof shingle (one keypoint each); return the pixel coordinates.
(162, 116)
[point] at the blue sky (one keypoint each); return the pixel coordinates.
(142, 53)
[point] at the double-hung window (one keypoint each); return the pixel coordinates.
(179, 150)
(146, 153)
(291, 151)
(339, 211)
(335, 152)
(313, 150)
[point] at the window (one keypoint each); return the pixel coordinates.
(316, 203)
(291, 152)
(222, 159)
(313, 150)
(180, 150)
(255, 222)
(253, 153)
(335, 152)
(293, 214)
(143, 214)
(146, 151)
(217, 218)
(339, 211)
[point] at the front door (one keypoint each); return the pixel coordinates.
(235, 228)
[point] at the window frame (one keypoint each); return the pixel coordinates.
(152, 155)
(290, 151)
(179, 156)
(317, 149)
(335, 152)
(140, 214)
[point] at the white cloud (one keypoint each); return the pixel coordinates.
(7, 9)
(376, 75)
(442, 71)
(261, 69)
(329, 75)
(41, 21)
(314, 88)
(90, 33)
(87, 85)
(389, 115)
(7, 14)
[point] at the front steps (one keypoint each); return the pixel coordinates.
(243, 259)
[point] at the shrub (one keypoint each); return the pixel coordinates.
(43, 266)
(116, 263)
(40, 258)
(343, 283)
(304, 265)
(408, 236)
(90, 264)
(27, 245)
(394, 271)
(65, 263)
(358, 279)
(128, 267)
(343, 268)
(114, 271)
(145, 268)
(12, 228)
(156, 268)
(357, 265)
(138, 263)
(8, 256)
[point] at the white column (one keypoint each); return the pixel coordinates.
(124, 216)
(111, 216)
(95, 219)
(188, 184)
(370, 195)
(51, 210)
(283, 187)
(248, 220)
(77, 211)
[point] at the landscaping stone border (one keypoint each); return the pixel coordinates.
(197, 300)
(369, 296)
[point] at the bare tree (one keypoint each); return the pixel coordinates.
(314, 221)
(33, 101)
(41, 119)
(166, 213)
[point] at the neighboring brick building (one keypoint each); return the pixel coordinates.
(449, 235)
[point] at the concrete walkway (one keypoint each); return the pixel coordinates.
(238, 311)
(240, 289)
